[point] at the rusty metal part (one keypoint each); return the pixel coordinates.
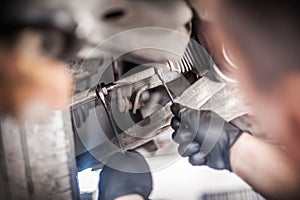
(199, 94)
(90, 95)
(125, 86)
(146, 78)
(100, 92)
(204, 94)
(137, 99)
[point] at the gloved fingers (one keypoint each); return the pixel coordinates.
(177, 109)
(191, 117)
(188, 149)
(183, 136)
(187, 117)
(198, 159)
(175, 123)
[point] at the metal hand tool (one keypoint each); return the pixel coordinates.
(102, 91)
(161, 77)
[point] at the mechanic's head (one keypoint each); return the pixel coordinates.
(264, 38)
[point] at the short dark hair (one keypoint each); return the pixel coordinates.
(267, 32)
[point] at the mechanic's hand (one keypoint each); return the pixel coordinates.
(125, 174)
(193, 127)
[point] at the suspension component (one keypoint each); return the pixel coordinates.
(195, 57)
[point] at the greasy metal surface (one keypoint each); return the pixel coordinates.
(144, 78)
(148, 74)
(228, 103)
(198, 95)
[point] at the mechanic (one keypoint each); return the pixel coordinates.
(235, 150)
(263, 36)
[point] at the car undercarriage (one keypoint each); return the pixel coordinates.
(119, 99)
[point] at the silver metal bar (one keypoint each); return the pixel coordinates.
(101, 96)
(161, 77)
(83, 98)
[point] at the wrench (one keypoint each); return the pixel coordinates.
(102, 91)
(161, 77)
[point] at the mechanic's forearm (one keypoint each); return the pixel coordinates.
(266, 168)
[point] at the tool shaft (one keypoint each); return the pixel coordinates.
(111, 120)
(161, 77)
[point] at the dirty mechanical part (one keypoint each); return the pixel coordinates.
(106, 19)
(204, 93)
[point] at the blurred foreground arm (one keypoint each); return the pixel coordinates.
(267, 168)
(31, 81)
(207, 139)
